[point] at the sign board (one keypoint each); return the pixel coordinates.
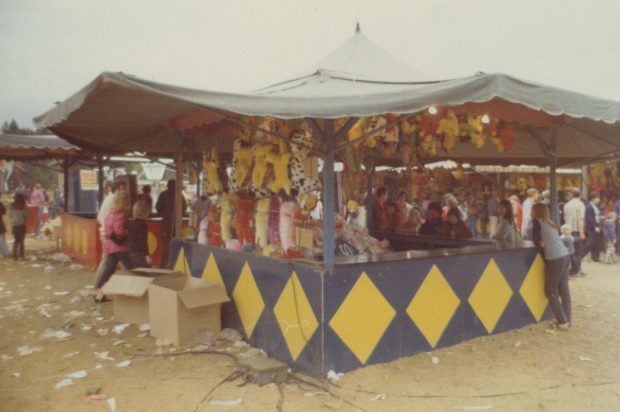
(88, 180)
(154, 171)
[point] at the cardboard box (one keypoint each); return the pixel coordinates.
(181, 309)
(130, 292)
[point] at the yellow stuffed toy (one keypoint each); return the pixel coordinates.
(476, 130)
(449, 128)
(227, 210)
(210, 164)
(241, 164)
(261, 218)
(261, 150)
(280, 162)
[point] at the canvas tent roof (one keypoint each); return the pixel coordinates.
(119, 112)
(33, 147)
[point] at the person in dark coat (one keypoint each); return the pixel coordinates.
(138, 235)
(165, 208)
(592, 228)
(433, 220)
(453, 227)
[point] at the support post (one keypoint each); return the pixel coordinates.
(178, 196)
(65, 171)
(100, 193)
(553, 178)
(329, 196)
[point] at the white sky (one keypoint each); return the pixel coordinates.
(49, 49)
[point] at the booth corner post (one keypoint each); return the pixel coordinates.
(551, 154)
(65, 171)
(178, 199)
(101, 193)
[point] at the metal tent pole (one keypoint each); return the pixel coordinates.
(553, 178)
(329, 196)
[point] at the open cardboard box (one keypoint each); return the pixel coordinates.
(182, 308)
(130, 292)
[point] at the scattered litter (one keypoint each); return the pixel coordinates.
(43, 312)
(61, 293)
(118, 342)
(241, 344)
(231, 402)
(16, 375)
(75, 299)
(102, 331)
(551, 332)
(379, 397)
(85, 327)
(98, 366)
(143, 335)
(584, 358)
(96, 397)
(48, 269)
(36, 265)
(474, 408)
(33, 258)
(318, 393)
(26, 350)
(517, 344)
(76, 266)
(61, 257)
(76, 313)
(118, 329)
(145, 327)
(230, 335)
(5, 357)
(58, 334)
(64, 382)
(48, 287)
(112, 404)
(123, 364)
(72, 354)
(160, 342)
(332, 375)
(89, 287)
(95, 390)
(99, 318)
(78, 375)
(434, 360)
(103, 355)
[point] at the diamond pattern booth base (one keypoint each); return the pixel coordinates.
(376, 312)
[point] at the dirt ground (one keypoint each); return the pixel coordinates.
(534, 368)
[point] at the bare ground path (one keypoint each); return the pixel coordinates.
(531, 369)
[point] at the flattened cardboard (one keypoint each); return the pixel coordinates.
(155, 272)
(182, 308)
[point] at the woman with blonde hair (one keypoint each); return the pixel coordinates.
(116, 245)
(547, 239)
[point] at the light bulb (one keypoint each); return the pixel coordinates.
(432, 110)
(486, 119)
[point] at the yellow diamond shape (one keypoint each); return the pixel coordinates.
(212, 273)
(295, 316)
(248, 300)
(362, 318)
(533, 288)
(181, 264)
(490, 296)
(433, 306)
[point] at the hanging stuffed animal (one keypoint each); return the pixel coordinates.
(241, 165)
(428, 127)
(476, 130)
(280, 162)
(262, 220)
(301, 143)
(211, 164)
(288, 210)
(245, 220)
(507, 137)
(449, 128)
(227, 210)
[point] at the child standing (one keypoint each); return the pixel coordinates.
(609, 234)
(138, 235)
(569, 243)
(18, 216)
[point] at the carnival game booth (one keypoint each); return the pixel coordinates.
(322, 311)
